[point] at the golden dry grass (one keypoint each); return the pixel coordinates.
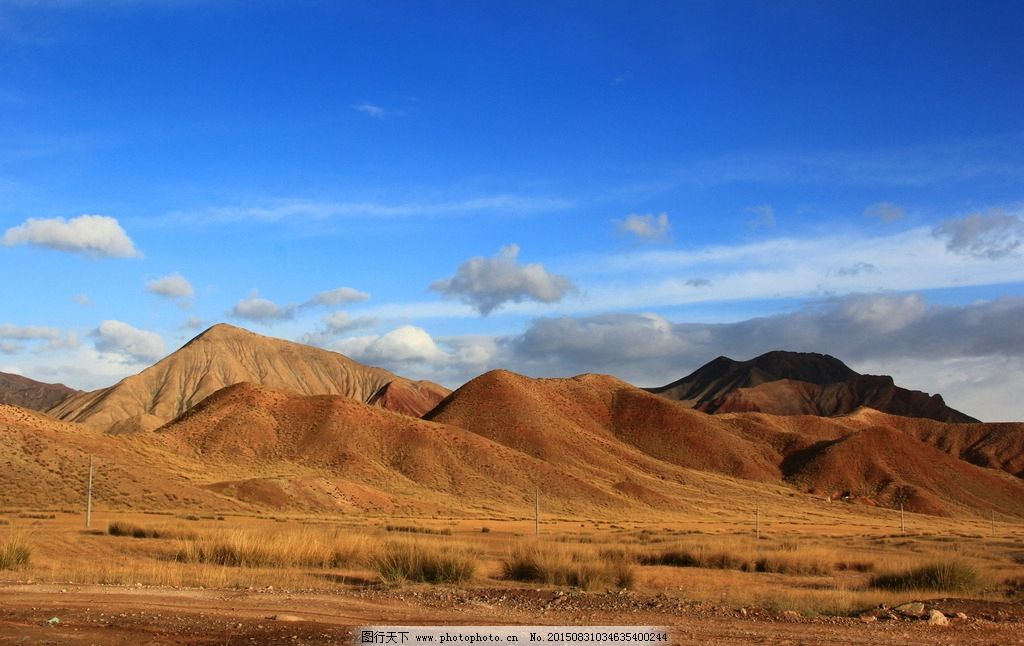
(811, 572)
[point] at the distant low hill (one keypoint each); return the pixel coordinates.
(28, 393)
(225, 355)
(800, 383)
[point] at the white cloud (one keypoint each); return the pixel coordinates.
(765, 217)
(29, 332)
(992, 235)
(292, 209)
(260, 310)
(82, 299)
(488, 283)
(193, 323)
(93, 235)
(173, 286)
(339, 296)
(130, 343)
(647, 227)
(10, 347)
(374, 111)
(335, 324)
(885, 211)
(407, 343)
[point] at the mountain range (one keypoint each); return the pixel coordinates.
(238, 421)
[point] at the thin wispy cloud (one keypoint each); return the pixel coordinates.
(765, 217)
(374, 111)
(887, 212)
(337, 296)
(646, 227)
(299, 209)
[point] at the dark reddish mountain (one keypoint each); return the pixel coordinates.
(800, 383)
(28, 393)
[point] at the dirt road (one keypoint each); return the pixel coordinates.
(47, 614)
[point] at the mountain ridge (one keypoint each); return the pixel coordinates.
(794, 383)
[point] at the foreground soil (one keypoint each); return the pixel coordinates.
(106, 615)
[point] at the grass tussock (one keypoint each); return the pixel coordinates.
(951, 575)
(415, 529)
(787, 557)
(15, 551)
(420, 562)
(124, 528)
(555, 564)
(266, 549)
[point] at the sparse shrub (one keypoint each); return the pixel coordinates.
(14, 551)
(415, 529)
(419, 562)
(248, 548)
(780, 564)
(485, 530)
(699, 556)
(555, 565)
(124, 528)
(942, 576)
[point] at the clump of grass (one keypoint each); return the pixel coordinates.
(124, 528)
(14, 551)
(485, 530)
(415, 529)
(249, 548)
(418, 562)
(783, 564)
(554, 564)
(699, 556)
(952, 575)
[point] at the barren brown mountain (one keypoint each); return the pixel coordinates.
(800, 383)
(869, 456)
(28, 393)
(224, 355)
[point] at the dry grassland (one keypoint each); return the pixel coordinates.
(841, 570)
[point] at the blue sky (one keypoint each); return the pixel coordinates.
(555, 188)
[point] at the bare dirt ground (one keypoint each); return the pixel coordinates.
(108, 615)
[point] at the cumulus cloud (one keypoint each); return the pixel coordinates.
(765, 217)
(488, 283)
(647, 226)
(82, 299)
(992, 235)
(130, 343)
(339, 296)
(174, 286)
(403, 345)
(651, 350)
(260, 310)
(885, 211)
(93, 235)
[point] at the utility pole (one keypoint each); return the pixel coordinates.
(536, 517)
(88, 500)
(757, 520)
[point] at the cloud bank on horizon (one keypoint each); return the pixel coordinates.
(780, 185)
